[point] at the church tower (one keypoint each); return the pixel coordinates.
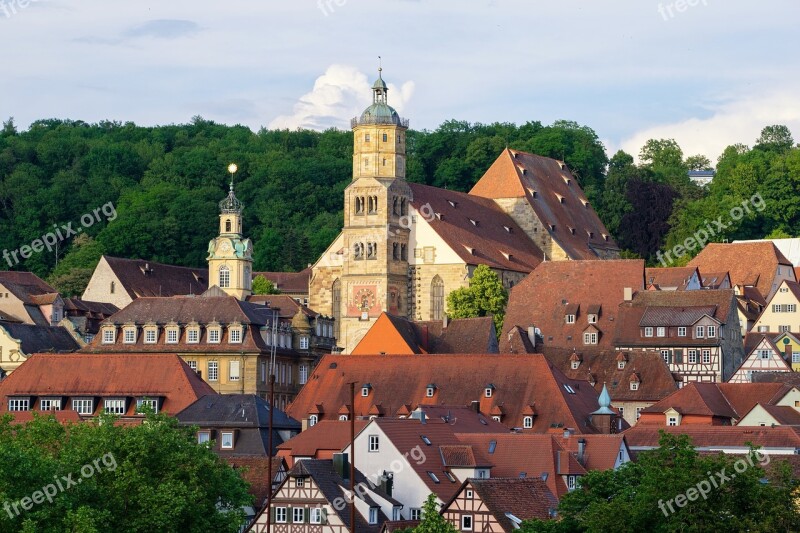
(230, 260)
(374, 276)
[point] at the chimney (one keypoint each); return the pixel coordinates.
(341, 465)
(532, 335)
(581, 451)
(445, 321)
(627, 294)
(304, 424)
(476, 406)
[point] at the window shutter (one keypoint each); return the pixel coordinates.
(307, 515)
(324, 515)
(272, 514)
(678, 357)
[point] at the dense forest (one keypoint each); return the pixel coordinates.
(164, 184)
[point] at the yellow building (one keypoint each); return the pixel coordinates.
(230, 255)
(405, 246)
(781, 312)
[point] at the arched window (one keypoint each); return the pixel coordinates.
(403, 207)
(248, 278)
(337, 306)
(437, 298)
(228, 226)
(358, 251)
(224, 277)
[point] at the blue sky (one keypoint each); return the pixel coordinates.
(708, 73)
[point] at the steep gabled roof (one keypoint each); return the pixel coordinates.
(142, 278)
(475, 229)
(34, 339)
(558, 200)
(107, 375)
(541, 299)
(398, 380)
(724, 400)
(525, 499)
(324, 435)
(749, 263)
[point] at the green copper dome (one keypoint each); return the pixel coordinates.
(380, 112)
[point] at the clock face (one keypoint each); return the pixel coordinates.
(364, 302)
(365, 299)
(225, 246)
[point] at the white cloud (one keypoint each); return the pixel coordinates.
(736, 121)
(341, 93)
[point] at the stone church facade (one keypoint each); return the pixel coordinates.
(405, 246)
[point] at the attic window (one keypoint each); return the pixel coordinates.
(634, 385)
(365, 389)
(488, 391)
(470, 249)
(552, 227)
(521, 169)
(570, 319)
(620, 365)
(569, 389)
(513, 154)
(430, 390)
(425, 439)
(492, 446)
(562, 165)
(585, 203)
(572, 230)
(591, 234)
(605, 237)
(450, 477)
(560, 198)
(575, 365)
(508, 257)
(508, 229)
(567, 181)
(433, 477)
(439, 216)
(532, 192)
(452, 203)
(474, 222)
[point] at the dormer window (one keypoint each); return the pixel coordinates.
(661, 332)
(592, 318)
(570, 319)
(193, 334)
(488, 391)
(173, 332)
(700, 332)
(648, 332)
(527, 422)
(621, 365)
(109, 335)
(634, 385)
(575, 365)
(129, 335)
(150, 334)
(312, 420)
(430, 390)
(214, 334)
(365, 390)
(235, 334)
(590, 337)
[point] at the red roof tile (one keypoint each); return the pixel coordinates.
(674, 278)
(519, 380)
(717, 436)
(147, 278)
(331, 435)
(289, 282)
(558, 200)
(525, 499)
(128, 375)
(540, 300)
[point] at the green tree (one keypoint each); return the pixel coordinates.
(72, 274)
(484, 296)
(262, 285)
(777, 138)
(432, 521)
(643, 496)
(148, 477)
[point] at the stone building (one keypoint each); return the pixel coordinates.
(405, 246)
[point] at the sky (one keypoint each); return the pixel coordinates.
(708, 73)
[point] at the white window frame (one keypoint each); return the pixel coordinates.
(301, 514)
(303, 374)
(374, 444)
(150, 335)
(83, 406)
(213, 376)
(281, 515)
(193, 335)
(634, 385)
(414, 513)
(682, 331)
(648, 331)
(223, 436)
(487, 392)
(234, 370)
(203, 436)
(50, 404)
(114, 406)
(711, 332)
(706, 357)
(19, 404)
(109, 335)
(700, 332)
(661, 331)
(214, 335)
(764, 354)
(235, 335)
(312, 420)
(527, 422)
(129, 336)
(692, 357)
(304, 342)
(315, 516)
(590, 338)
(572, 482)
(151, 402)
(172, 335)
(672, 420)
(570, 319)
(373, 515)
(467, 522)
(429, 392)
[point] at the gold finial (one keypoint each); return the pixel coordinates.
(232, 168)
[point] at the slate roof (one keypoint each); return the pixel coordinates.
(34, 339)
(289, 282)
(92, 309)
(475, 229)
(526, 499)
(107, 375)
(540, 300)
(140, 278)
(516, 174)
(656, 380)
(286, 305)
(749, 263)
(460, 379)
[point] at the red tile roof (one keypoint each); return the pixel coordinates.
(331, 435)
(63, 417)
(749, 263)
(558, 200)
(128, 375)
(540, 300)
(723, 400)
(670, 277)
(474, 228)
(601, 367)
(289, 282)
(717, 436)
(785, 415)
(525, 499)
(255, 471)
(398, 380)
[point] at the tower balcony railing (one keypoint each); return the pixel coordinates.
(362, 121)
